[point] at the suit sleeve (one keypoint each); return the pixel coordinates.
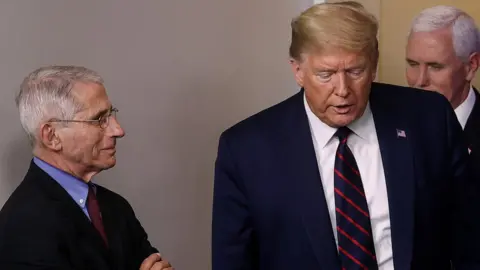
(142, 247)
(232, 231)
(34, 245)
(465, 200)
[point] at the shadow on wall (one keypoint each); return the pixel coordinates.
(14, 164)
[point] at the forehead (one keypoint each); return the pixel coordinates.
(335, 58)
(92, 96)
(430, 46)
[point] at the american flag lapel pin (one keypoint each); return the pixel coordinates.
(401, 133)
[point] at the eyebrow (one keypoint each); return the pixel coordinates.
(435, 63)
(101, 113)
(326, 69)
(323, 69)
(362, 66)
(428, 63)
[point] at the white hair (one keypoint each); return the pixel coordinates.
(45, 94)
(465, 34)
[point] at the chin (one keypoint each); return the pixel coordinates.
(109, 163)
(342, 120)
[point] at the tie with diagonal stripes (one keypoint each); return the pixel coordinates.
(355, 241)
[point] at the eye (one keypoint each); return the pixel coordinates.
(324, 75)
(436, 67)
(412, 64)
(356, 72)
(102, 119)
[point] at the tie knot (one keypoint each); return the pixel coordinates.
(342, 133)
(91, 190)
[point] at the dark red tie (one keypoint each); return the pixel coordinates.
(355, 241)
(94, 213)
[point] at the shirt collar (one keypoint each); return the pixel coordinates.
(463, 111)
(75, 187)
(364, 127)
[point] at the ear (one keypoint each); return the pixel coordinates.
(297, 71)
(49, 137)
(375, 65)
(374, 73)
(472, 66)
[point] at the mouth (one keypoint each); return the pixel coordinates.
(111, 147)
(110, 150)
(343, 109)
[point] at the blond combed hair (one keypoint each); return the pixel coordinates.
(343, 25)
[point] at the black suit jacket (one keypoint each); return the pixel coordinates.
(472, 133)
(269, 208)
(41, 227)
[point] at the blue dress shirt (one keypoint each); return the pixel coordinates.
(75, 187)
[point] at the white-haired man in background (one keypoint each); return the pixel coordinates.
(57, 218)
(443, 55)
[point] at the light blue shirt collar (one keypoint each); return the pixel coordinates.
(75, 187)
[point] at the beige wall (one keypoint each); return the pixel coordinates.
(179, 71)
(371, 5)
(395, 18)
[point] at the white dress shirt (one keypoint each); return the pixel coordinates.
(463, 111)
(364, 145)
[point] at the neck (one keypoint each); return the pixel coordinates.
(63, 164)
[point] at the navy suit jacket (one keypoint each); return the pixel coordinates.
(269, 208)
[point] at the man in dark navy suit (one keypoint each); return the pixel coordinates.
(347, 173)
(443, 55)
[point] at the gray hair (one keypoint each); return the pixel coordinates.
(465, 34)
(45, 94)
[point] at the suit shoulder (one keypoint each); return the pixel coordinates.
(27, 206)
(264, 119)
(23, 199)
(413, 98)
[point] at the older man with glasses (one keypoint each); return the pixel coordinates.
(57, 218)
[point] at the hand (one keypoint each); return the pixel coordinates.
(155, 262)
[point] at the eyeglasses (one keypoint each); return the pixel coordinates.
(103, 121)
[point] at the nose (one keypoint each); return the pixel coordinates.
(115, 129)
(422, 79)
(341, 88)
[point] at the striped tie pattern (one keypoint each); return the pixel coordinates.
(355, 241)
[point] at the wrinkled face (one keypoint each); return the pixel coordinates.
(337, 84)
(88, 145)
(432, 65)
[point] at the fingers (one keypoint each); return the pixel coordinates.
(148, 263)
(162, 265)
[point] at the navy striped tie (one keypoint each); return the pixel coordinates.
(354, 231)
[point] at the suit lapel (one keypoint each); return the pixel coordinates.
(397, 158)
(111, 225)
(71, 211)
(394, 138)
(472, 127)
(301, 166)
